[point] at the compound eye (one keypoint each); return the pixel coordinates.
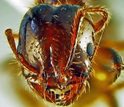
(90, 49)
(34, 26)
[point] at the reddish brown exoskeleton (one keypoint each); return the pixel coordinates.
(56, 47)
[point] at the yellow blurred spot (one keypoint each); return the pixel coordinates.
(101, 76)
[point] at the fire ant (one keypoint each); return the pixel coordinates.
(58, 50)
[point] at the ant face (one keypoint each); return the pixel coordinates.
(60, 59)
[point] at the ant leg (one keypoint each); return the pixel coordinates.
(12, 44)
